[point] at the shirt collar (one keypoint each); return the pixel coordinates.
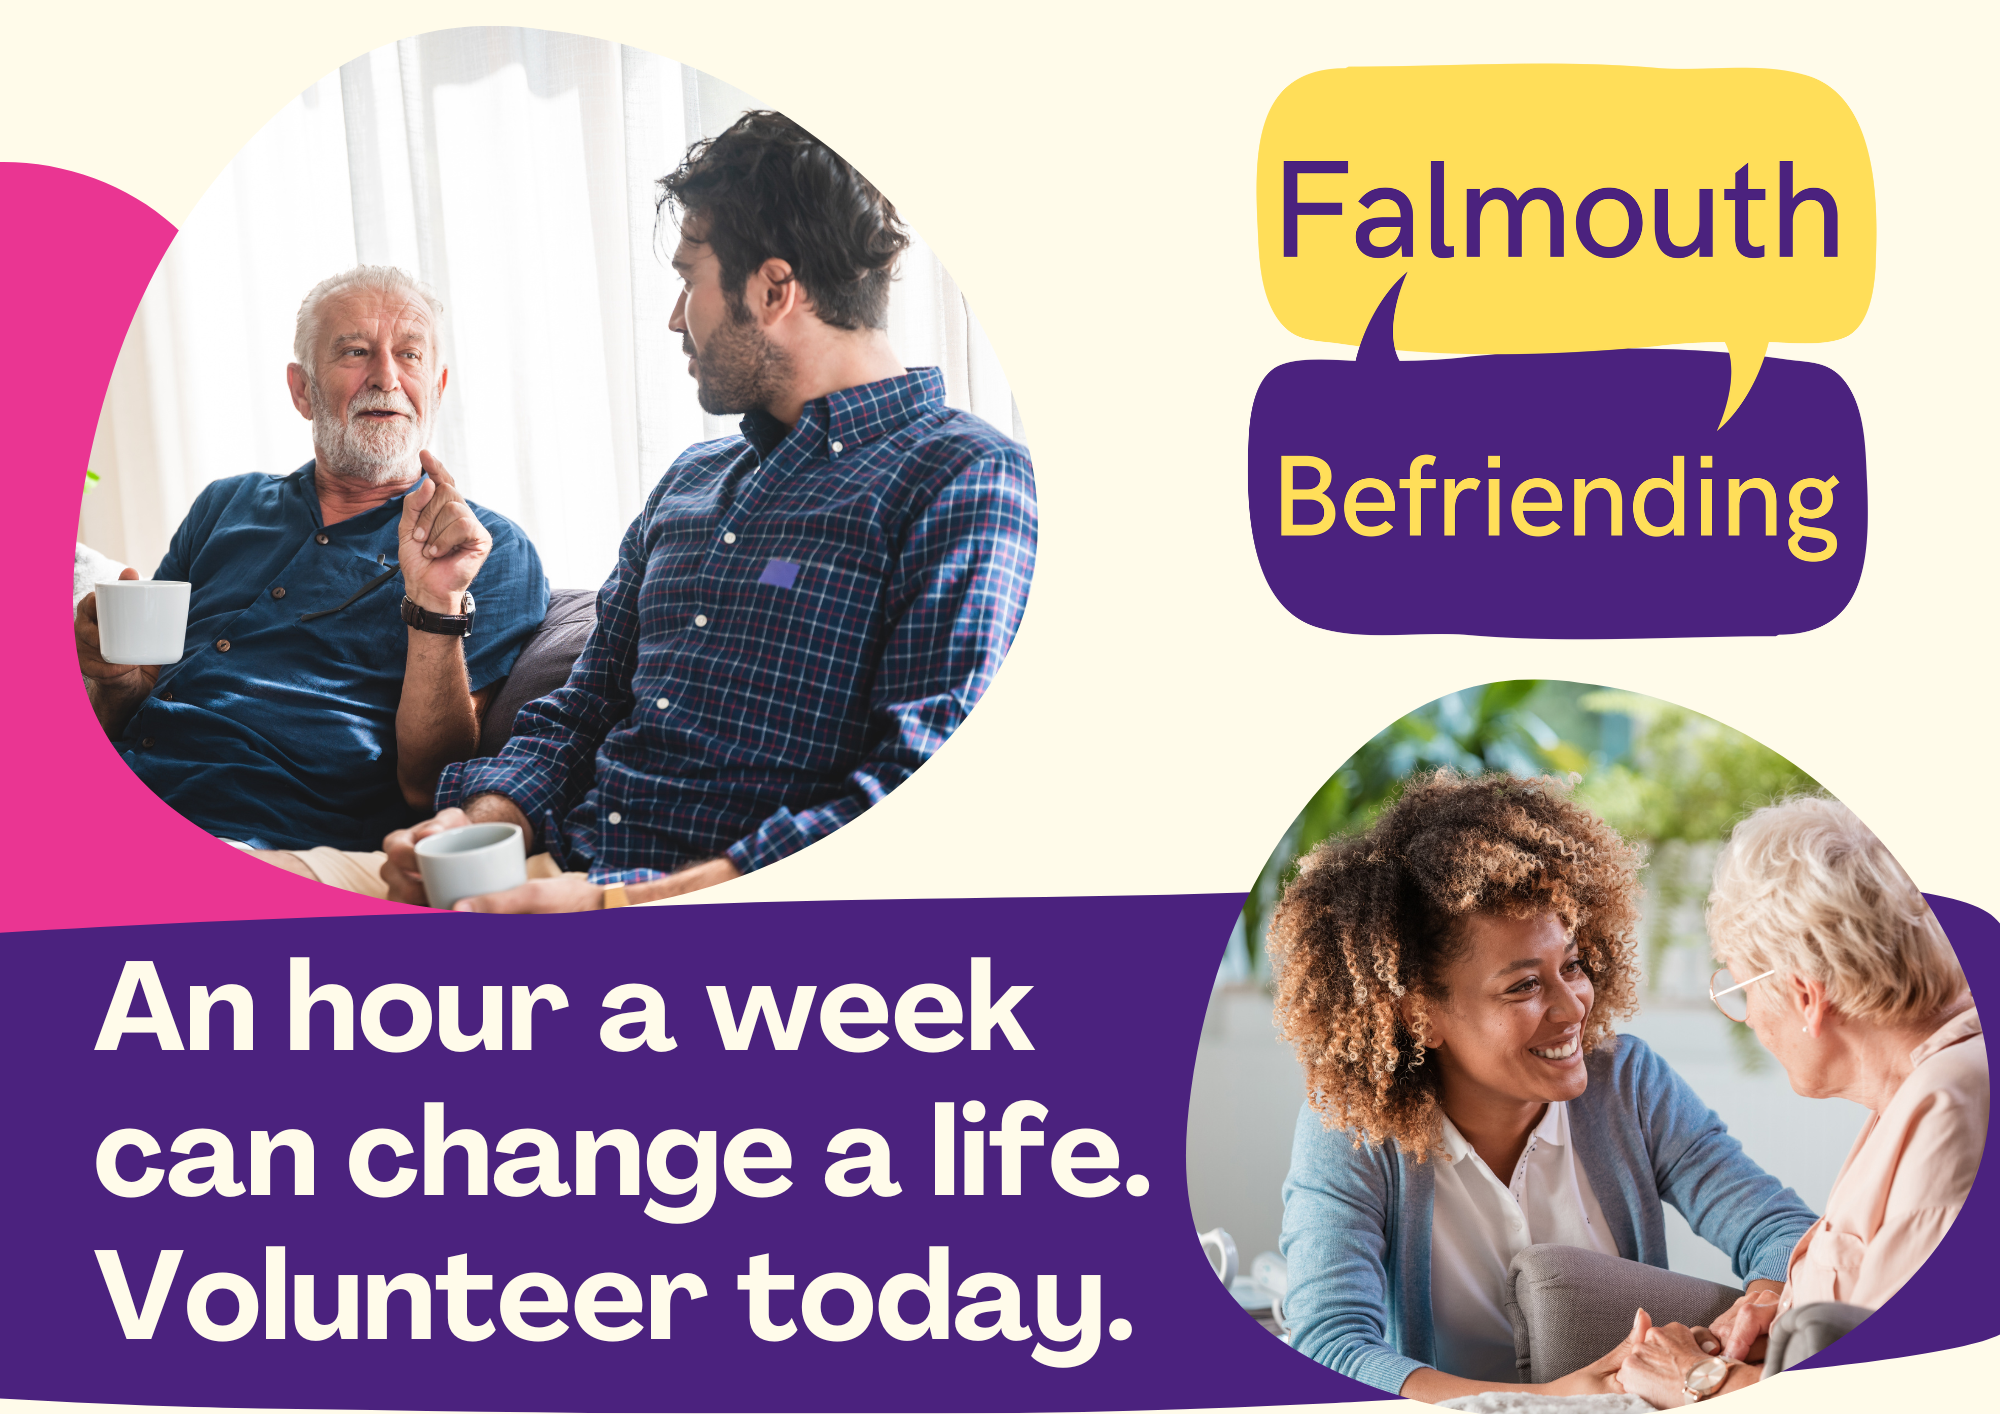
(368, 521)
(1455, 1147)
(1962, 1027)
(1553, 1129)
(853, 416)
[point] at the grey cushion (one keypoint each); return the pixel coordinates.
(1804, 1331)
(1569, 1306)
(543, 665)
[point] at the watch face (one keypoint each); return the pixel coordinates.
(1707, 1375)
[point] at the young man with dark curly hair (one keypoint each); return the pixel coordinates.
(804, 612)
(1449, 979)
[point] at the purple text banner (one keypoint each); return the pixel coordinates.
(1030, 1178)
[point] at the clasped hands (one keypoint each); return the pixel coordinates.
(1653, 1362)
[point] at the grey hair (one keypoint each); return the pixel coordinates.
(1804, 887)
(387, 279)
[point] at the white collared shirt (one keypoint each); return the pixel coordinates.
(1479, 1224)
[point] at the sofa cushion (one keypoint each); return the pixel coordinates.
(543, 665)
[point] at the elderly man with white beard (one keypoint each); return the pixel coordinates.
(332, 668)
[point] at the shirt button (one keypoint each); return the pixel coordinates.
(661, 703)
(615, 818)
(146, 741)
(166, 697)
(729, 537)
(701, 620)
(279, 592)
(321, 537)
(837, 447)
(222, 645)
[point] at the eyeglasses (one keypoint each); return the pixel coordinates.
(1732, 1001)
(369, 588)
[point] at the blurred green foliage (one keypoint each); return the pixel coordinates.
(1490, 728)
(1667, 778)
(1688, 778)
(1687, 781)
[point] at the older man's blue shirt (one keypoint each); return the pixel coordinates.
(797, 621)
(278, 725)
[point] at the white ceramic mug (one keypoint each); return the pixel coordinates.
(1220, 1249)
(470, 861)
(142, 622)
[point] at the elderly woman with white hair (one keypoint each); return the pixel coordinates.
(1834, 959)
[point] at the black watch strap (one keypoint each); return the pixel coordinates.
(450, 625)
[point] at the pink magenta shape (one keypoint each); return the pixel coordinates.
(88, 844)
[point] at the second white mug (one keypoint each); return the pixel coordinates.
(470, 861)
(1220, 1249)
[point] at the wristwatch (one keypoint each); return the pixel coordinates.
(450, 625)
(1704, 1379)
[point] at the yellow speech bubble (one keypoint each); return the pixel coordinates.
(1525, 203)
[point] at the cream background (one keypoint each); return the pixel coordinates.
(1085, 174)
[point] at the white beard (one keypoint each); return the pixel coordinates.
(364, 450)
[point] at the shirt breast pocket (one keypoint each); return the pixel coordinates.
(822, 622)
(824, 594)
(354, 617)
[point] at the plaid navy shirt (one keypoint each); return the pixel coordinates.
(798, 619)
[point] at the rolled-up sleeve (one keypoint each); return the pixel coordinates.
(511, 598)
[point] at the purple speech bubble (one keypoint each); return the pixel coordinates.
(1391, 497)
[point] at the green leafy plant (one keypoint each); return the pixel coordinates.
(1669, 779)
(1490, 728)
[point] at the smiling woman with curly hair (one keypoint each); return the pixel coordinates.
(1361, 937)
(1449, 980)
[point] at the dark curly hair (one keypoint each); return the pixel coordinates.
(767, 188)
(1374, 917)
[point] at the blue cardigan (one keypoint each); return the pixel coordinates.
(1357, 1234)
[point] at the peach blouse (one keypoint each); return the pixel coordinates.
(1904, 1180)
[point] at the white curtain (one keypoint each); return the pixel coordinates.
(514, 170)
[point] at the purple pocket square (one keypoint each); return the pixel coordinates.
(780, 573)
